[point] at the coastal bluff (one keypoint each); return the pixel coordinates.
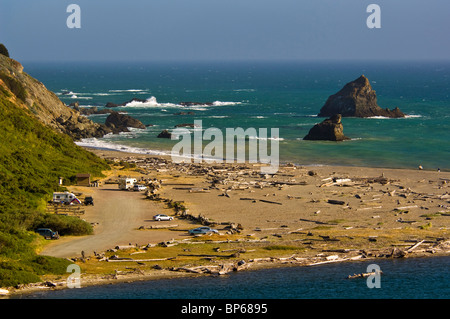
(357, 99)
(29, 93)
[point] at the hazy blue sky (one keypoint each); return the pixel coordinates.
(225, 30)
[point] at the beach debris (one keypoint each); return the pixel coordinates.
(158, 226)
(367, 208)
(410, 249)
(254, 200)
(328, 238)
(405, 208)
(123, 247)
(216, 270)
(339, 182)
(364, 274)
(335, 202)
(316, 222)
(401, 220)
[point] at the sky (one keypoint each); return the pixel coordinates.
(224, 30)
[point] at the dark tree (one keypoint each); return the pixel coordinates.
(4, 50)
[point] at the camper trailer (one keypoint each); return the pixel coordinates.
(126, 183)
(65, 198)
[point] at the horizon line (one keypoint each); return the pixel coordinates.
(337, 60)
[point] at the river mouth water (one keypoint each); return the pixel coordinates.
(411, 278)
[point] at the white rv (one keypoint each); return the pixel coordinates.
(126, 183)
(65, 198)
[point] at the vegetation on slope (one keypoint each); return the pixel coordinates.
(32, 158)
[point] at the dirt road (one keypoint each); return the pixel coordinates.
(119, 214)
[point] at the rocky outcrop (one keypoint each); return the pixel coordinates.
(29, 93)
(93, 110)
(191, 125)
(357, 99)
(165, 134)
(118, 122)
(329, 130)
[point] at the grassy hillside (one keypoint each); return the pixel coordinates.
(32, 158)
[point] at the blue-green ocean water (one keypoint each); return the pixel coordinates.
(412, 278)
(287, 96)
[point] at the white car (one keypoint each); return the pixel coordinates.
(160, 217)
(138, 187)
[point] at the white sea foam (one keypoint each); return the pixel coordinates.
(245, 90)
(152, 102)
(220, 103)
(102, 144)
(389, 118)
(127, 90)
(379, 117)
(78, 97)
(413, 116)
(266, 138)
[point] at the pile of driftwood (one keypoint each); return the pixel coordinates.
(216, 270)
(364, 274)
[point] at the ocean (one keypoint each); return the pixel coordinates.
(283, 95)
(411, 278)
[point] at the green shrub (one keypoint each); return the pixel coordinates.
(13, 273)
(42, 265)
(64, 225)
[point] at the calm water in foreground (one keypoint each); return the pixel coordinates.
(414, 278)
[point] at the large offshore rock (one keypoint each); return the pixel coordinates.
(357, 99)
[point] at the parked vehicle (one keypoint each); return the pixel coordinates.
(65, 198)
(203, 230)
(160, 217)
(89, 200)
(126, 183)
(138, 187)
(47, 233)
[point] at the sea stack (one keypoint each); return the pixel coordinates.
(357, 99)
(329, 130)
(117, 122)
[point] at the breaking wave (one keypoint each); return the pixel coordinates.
(152, 102)
(411, 116)
(104, 145)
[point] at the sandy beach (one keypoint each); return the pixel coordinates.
(375, 199)
(300, 216)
